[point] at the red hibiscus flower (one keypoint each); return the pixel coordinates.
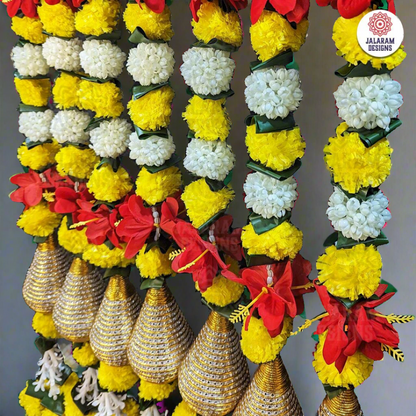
(294, 10)
(28, 7)
(228, 242)
(156, 6)
(301, 269)
(232, 4)
(171, 211)
(352, 8)
(66, 197)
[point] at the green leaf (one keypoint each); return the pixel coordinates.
(44, 344)
(228, 178)
(215, 44)
(280, 176)
(390, 287)
(156, 283)
(257, 260)
(55, 406)
(30, 391)
(53, 35)
(214, 218)
(331, 239)
(225, 311)
(113, 36)
(175, 159)
(38, 240)
(139, 36)
(24, 108)
(214, 185)
(348, 303)
(96, 79)
(120, 271)
(84, 408)
(114, 163)
(262, 225)
(285, 59)
(31, 145)
(303, 314)
(163, 243)
(315, 337)
(20, 76)
(138, 91)
(94, 123)
(344, 242)
(361, 70)
(266, 125)
(66, 372)
(333, 392)
(224, 94)
(145, 134)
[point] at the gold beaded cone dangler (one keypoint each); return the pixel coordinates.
(345, 404)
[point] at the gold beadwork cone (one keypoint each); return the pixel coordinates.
(160, 339)
(214, 374)
(345, 404)
(270, 392)
(114, 322)
(46, 276)
(78, 302)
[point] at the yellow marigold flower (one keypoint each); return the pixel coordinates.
(156, 187)
(65, 91)
(345, 38)
(356, 370)
(57, 19)
(30, 404)
(39, 220)
(280, 242)
(182, 409)
(154, 263)
(350, 272)
(153, 110)
(117, 379)
(208, 119)
(104, 99)
(76, 162)
(71, 409)
(29, 28)
(258, 346)
(131, 408)
(215, 23)
(153, 391)
(42, 324)
(272, 34)
(84, 355)
(355, 166)
(33, 91)
(72, 240)
(202, 203)
(38, 157)
(105, 15)
(156, 26)
(106, 258)
(277, 150)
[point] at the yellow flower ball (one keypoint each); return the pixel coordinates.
(350, 272)
(345, 37)
(72, 240)
(104, 99)
(71, 409)
(283, 241)
(29, 28)
(30, 404)
(154, 263)
(75, 162)
(258, 346)
(38, 157)
(153, 391)
(272, 34)
(107, 185)
(33, 91)
(131, 408)
(98, 17)
(355, 166)
(215, 23)
(208, 119)
(156, 26)
(182, 409)
(202, 203)
(116, 379)
(84, 355)
(102, 256)
(57, 19)
(277, 150)
(39, 220)
(357, 369)
(42, 324)
(65, 91)
(156, 187)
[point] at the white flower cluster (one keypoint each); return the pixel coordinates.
(102, 59)
(109, 403)
(151, 63)
(269, 197)
(153, 151)
(62, 54)
(369, 101)
(69, 125)
(212, 159)
(29, 61)
(36, 125)
(273, 92)
(355, 219)
(207, 70)
(110, 138)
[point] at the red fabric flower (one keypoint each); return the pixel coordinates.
(228, 242)
(294, 10)
(233, 4)
(156, 6)
(352, 8)
(301, 269)
(171, 211)
(28, 7)
(66, 197)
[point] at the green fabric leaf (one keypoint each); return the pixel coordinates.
(44, 344)
(284, 59)
(315, 337)
(23, 108)
(113, 36)
(66, 372)
(361, 70)
(348, 303)
(20, 76)
(84, 408)
(344, 242)
(171, 162)
(331, 239)
(139, 36)
(94, 123)
(114, 163)
(30, 391)
(31, 145)
(280, 176)
(214, 185)
(96, 80)
(224, 94)
(120, 271)
(262, 225)
(156, 283)
(228, 178)
(145, 134)
(215, 44)
(38, 240)
(390, 287)
(163, 243)
(50, 34)
(266, 125)
(225, 311)
(55, 406)
(332, 391)
(138, 91)
(214, 218)
(257, 260)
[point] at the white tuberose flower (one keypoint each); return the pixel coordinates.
(102, 59)
(369, 102)
(213, 159)
(29, 61)
(110, 138)
(153, 151)
(269, 197)
(151, 63)
(36, 125)
(69, 125)
(273, 92)
(355, 219)
(62, 54)
(207, 70)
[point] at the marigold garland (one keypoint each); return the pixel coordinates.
(117, 379)
(57, 19)
(33, 91)
(65, 91)
(153, 262)
(39, 221)
(29, 28)
(42, 323)
(75, 162)
(39, 157)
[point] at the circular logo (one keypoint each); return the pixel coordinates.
(380, 33)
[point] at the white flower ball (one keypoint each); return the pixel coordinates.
(151, 63)
(269, 197)
(36, 125)
(62, 54)
(29, 61)
(212, 159)
(153, 151)
(110, 138)
(355, 219)
(69, 125)
(102, 59)
(369, 102)
(207, 70)
(273, 92)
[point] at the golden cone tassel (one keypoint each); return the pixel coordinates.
(160, 339)
(270, 393)
(345, 404)
(46, 275)
(78, 302)
(114, 322)
(214, 374)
